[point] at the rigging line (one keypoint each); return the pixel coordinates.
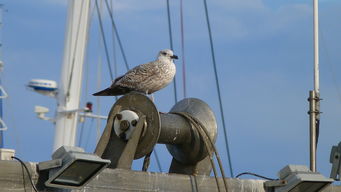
(330, 64)
(89, 133)
(183, 50)
(203, 132)
(171, 46)
(74, 51)
(113, 46)
(157, 160)
(99, 80)
(104, 40)
(117, 35)
(218, 88)
(81, 133)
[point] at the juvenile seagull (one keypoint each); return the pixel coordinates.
(146, 78)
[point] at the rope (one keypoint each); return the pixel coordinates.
(157, 160)
(117, 35)
(104, 40)
(218, 89)
(183, 50)
(171, 46)
(208, 144)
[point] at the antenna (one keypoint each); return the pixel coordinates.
(314, 96)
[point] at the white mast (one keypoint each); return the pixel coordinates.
(71, 75)
(316, 48)
(314, 96)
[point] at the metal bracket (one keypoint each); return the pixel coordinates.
(275, 183)
(45, 165)
(108, 132)
(128, 153)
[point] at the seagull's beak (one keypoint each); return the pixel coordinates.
(174, 57)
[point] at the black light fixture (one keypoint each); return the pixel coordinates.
(71, 167)
(298, 178)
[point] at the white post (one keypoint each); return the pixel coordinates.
(71, 75)
(316, 48)
(314, 96)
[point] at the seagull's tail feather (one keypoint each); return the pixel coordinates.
(113, 91)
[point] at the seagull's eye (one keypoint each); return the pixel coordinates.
(164, 53)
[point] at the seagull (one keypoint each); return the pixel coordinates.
(146, 78)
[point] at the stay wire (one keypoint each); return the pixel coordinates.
(117, 35)
(28, 173)
(218, 89)
(81, 134)
(104, 40)
(203, 132)
(113, 45)
(171, 46)
(183, 50)
(157, 160)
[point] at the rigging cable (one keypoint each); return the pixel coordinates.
(99, 72)
(117, 35)
(171, 46)
(81, 134)
(183, 50)
(104, 40)
(28, 173)
(218, 88)
(113, 45)
(157, 160)
(210, 147)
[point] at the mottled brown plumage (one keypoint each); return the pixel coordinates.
(147, 78)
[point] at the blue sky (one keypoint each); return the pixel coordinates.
(264, 53)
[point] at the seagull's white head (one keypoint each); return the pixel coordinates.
(166, 54)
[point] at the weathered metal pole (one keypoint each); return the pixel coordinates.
(312, 121)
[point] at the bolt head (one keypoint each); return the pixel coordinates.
(134, 122)
(119, 116)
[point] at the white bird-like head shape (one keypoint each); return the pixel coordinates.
(166, 54)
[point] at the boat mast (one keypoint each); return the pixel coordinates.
(71, 75)
(314, 96)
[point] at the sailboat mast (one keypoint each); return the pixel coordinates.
(71, 75)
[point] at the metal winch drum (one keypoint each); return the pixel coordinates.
(181, 137)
